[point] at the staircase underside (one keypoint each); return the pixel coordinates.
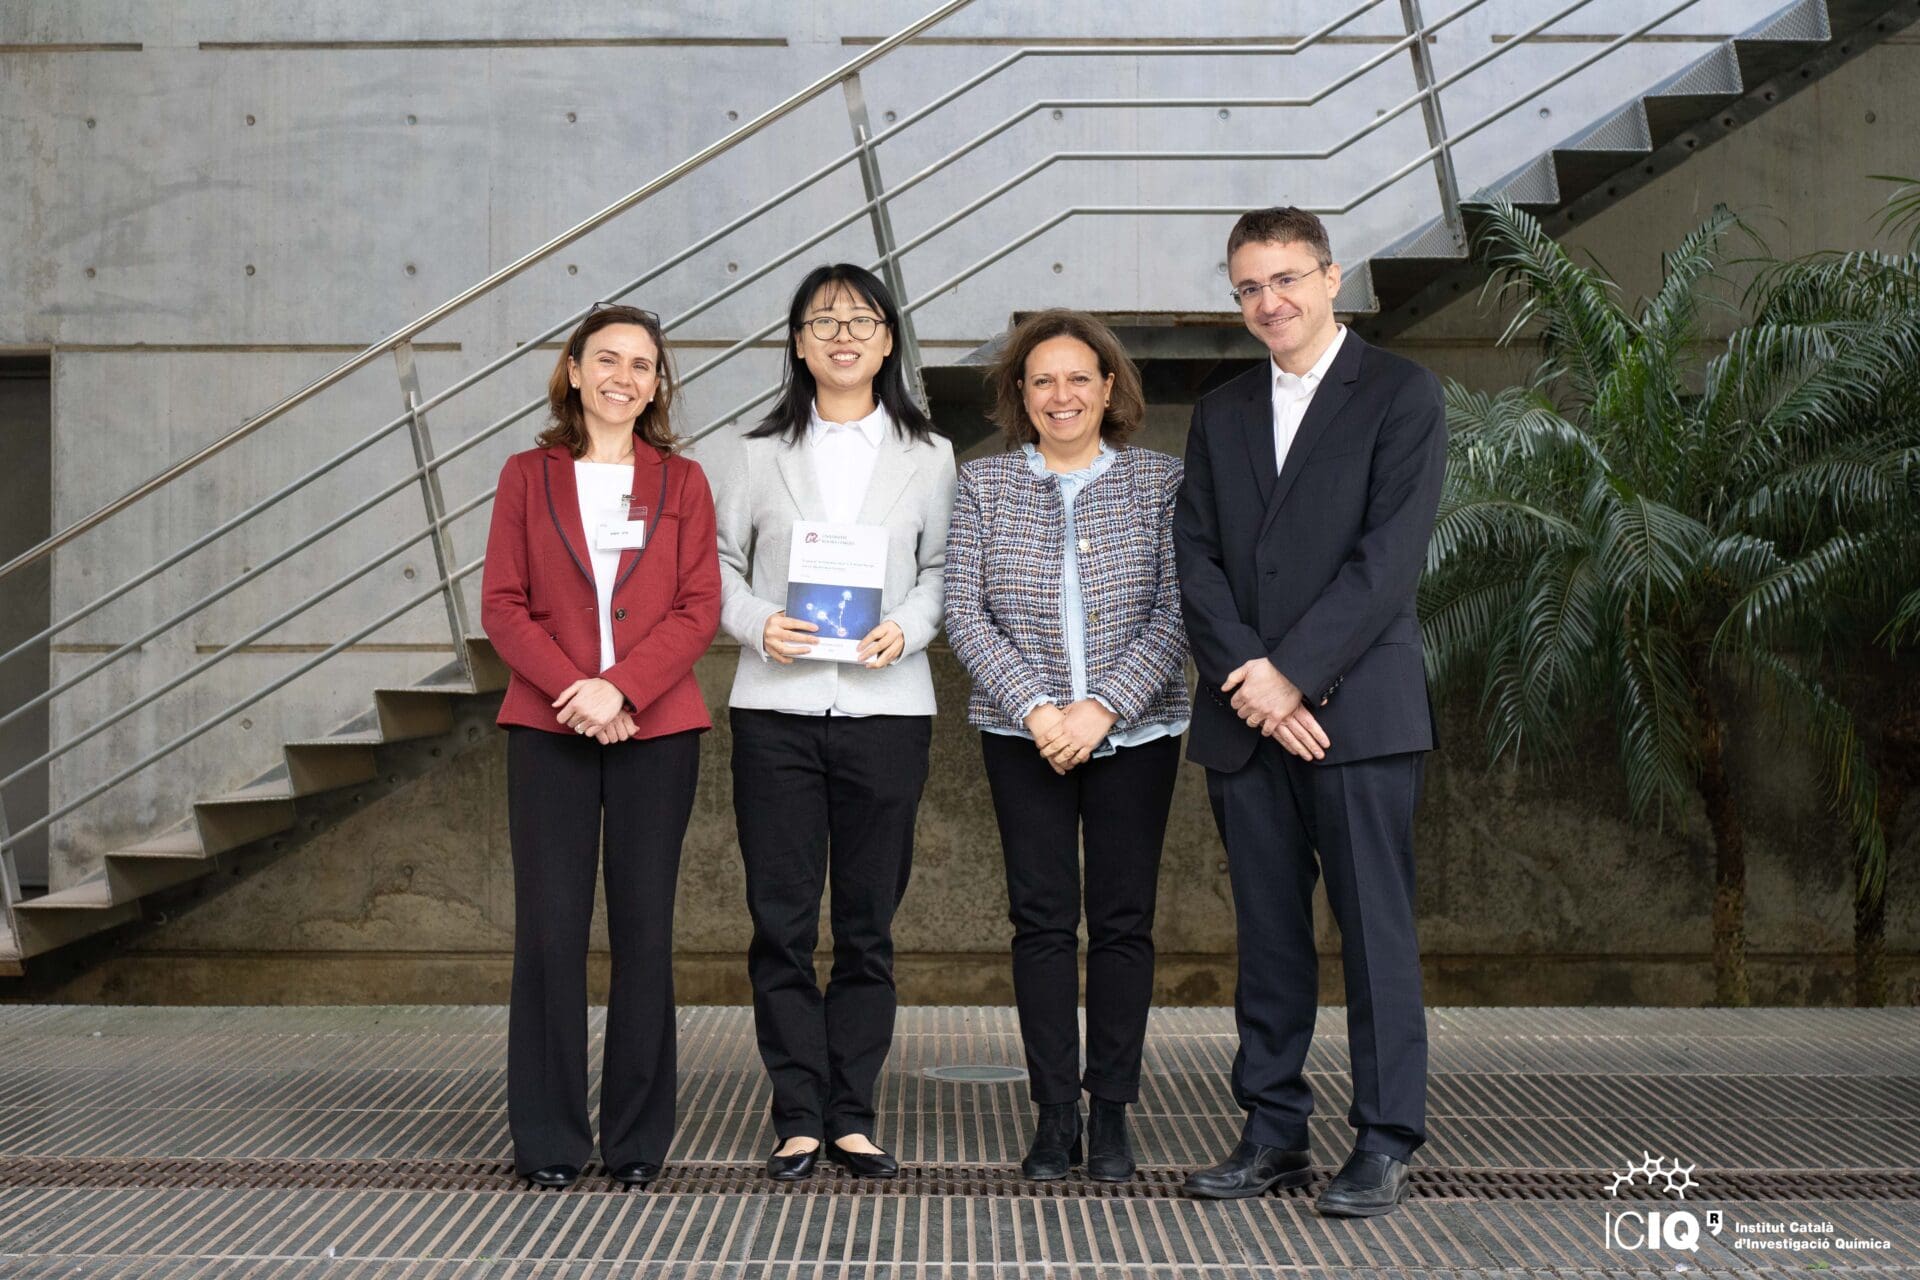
(1182, 356)
(227, 836)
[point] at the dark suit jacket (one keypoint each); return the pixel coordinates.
(540, 611)
(1314, 568)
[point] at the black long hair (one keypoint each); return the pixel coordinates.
(792, 411)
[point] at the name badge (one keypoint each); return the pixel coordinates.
(622, 528)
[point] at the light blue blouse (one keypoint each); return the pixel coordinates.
(1073, 610)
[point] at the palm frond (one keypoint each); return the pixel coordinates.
(1902, 212)
(1801, 600)
(1643, 545)
(1488, 434)
(1461, 619)
(1905, 621)
(1670, 318)
(1584, 325)
(1656, 720)
(1472, 521)
(1853, 784)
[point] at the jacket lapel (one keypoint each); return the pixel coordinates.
(795, 465)
(646, 490)
(563, 506)
(1256, 419)
(892, 468)
(1328, 399)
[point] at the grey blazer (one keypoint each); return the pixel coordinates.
(760, 487)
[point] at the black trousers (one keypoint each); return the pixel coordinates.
(558, 788)
(1121, 803)
(824, 799)
(1273, 815)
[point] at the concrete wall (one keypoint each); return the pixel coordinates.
(214, 203)
(1533, 889)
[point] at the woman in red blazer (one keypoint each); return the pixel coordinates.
(602, 588)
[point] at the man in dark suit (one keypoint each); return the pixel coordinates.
(1311, 488)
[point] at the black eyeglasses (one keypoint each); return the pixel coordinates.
(827, 328)
(1248, 294)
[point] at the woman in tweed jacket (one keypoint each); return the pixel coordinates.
(1063, 605)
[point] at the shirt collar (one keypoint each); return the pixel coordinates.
(871, 427)
(1287, 384)
(1037, 463)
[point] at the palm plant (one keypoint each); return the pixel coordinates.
(1854, 514)
(1598, 556)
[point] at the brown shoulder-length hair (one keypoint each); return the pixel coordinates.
(1126, 406)
(568, 426)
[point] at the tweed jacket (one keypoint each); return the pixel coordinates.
(1004, 565)
(760, 487)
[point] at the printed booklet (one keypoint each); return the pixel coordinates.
(834, 576)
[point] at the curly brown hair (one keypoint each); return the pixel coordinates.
(1126, 406)
(568, 426)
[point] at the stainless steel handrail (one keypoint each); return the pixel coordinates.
(736, 286)
(407, 332)
(967, 210)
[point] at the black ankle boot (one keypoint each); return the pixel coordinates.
(1056, 1142)
(1109, 1154)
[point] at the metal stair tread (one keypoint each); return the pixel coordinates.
(89, 895)
(272, 789)
(183, 844)
(355, 738)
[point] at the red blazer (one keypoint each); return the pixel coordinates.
(539, 609)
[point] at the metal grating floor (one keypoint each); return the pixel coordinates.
(363, 1142)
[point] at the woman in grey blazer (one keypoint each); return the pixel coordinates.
(1063, 604)
(829, 758)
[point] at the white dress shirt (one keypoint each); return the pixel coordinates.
(843, 454)
(1292, 395)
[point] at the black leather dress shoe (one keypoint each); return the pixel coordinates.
(1251, 1170)
(554, 1176)
(637, 1173)
(864, 1164)
(1368, 1185)
(794, 1167)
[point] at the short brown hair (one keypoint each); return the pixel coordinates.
(568, 427)
(1126, 406)
(1282, 224)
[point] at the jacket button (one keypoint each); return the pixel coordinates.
(619, 615)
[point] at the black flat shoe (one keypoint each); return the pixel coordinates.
(864, 1164)
(636, 1173)
(1056, 1143)
(554, 1177)
(1251, 1170)
(794, 1167)
(1369, 1184)
(1109, 1154)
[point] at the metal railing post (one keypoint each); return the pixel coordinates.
(436, 504)
(9, 890)
(883, 232)
(1437, 138)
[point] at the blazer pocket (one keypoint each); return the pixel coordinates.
(540, 615)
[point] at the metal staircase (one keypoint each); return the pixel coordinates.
(1387, 286)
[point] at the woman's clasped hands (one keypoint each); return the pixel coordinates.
(1068, 737)
(597, 709)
